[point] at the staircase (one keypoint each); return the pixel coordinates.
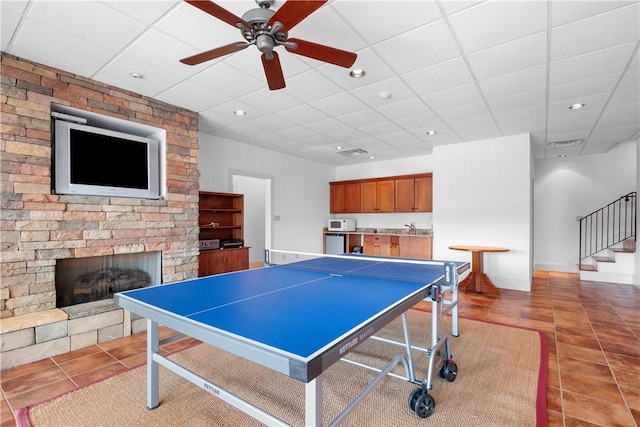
(608, 242)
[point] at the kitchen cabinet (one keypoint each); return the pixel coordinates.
(414, 194)
(405, 193)
(221, 217)
(217, 261)
(378, 244)
(377, 196)
(420, 247)
(344, 197)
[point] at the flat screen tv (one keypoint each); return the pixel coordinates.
(88, 160)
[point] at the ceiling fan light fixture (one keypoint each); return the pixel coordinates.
(357, 73)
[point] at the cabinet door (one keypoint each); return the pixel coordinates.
(336, 198)
(369, 197)
(405, 195)
(424, 194)
(386, 196)
(237, 259)
(415, 247)
(211, 262)
(352, 198)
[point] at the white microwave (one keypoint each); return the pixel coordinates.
(342, 225)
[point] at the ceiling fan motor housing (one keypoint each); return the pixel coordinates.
(261, 32)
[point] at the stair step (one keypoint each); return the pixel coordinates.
(603, 259)
(588, 267)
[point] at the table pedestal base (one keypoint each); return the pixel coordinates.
(477, 281)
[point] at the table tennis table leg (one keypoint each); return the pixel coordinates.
(313, 402)
(153, 385)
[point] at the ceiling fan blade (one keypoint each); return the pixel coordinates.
(219, 12)
(273, 71)
(323, 53)
(293, 12)
(214, 53)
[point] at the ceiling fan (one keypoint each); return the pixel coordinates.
(267, 29)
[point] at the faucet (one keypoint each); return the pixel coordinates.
(412, 228)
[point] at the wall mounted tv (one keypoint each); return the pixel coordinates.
(89, 160)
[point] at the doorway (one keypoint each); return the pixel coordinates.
(258, 218)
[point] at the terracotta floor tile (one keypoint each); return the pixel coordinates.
(26, 369)
(77, 354)
(623, 362)
(31, 381)
(626, 377)
(595, 370)
(40, 394)
(581, 353)
(631, 349)
(131, 349)
(590, 386)
(102, 372)
(554, 399)
(632, 396)
(578, 341)
(87, 363)
(595, 410)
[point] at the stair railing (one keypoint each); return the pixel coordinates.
(607, 226)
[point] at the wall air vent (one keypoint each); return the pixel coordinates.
(565, 144)
(354, 153)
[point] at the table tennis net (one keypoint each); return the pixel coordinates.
(409, 270)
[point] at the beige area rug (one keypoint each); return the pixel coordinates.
(501, 381)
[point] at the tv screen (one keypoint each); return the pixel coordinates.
(95, 161)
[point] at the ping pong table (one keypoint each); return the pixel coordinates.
(300, 314)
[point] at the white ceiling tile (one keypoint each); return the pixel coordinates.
(598, 32)
(382, 128)
(376, 70)
(514, 83)
(592, 64)
(450, 98)
(273, 101)
(308, 87)
(626, 96)
(563, 12)
(228, 80)
(395, 87)
(508, 57)
(270, 123)
(464, 112)
(587, 118)
(575, 90)
(9, 21)
(192, 96)
(419, 48)
(361, 118)
(145, 11)
(303, 114)
(496, 22)
(518, 102)
(406, 108)
(397, 16)
(480, 133)
(15, 6)
(514, 116)
(451, 7)
(340, 104)
(37, 37)
(593, 103)
(77, 18)
(439, 77)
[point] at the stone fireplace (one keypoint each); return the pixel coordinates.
(42, 231)
(83, 280)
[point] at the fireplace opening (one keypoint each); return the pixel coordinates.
(82, 280)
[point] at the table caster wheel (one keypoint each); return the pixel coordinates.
(424, 405)
(413, 397)
(449, 371)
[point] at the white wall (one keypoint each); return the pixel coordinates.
(301, 189)
(482, 196)
(569, 187)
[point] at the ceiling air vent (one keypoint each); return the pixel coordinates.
(565, 144)
(353, 153)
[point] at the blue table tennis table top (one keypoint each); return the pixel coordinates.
(299, 309)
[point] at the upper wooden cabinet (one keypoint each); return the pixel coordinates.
(414, 193)
(377, 196)
(344, 197)
(407, 193)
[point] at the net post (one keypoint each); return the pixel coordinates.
(267, 260)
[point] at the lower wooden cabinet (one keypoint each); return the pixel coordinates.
(415, 247)
(219, 261)
(383, 245)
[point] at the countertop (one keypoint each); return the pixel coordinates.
(420, 232)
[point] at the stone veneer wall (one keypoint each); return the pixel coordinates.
(39, 227)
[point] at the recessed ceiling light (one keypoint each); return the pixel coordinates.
(372, 157)
(356, 74)
(339, 147)
(431, 132)
(137, 75)
(384, 95)
(240, 113)
(576, 106)
(562, 155)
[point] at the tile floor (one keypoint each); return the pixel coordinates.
(592, 328)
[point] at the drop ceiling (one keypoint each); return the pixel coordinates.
(468, 70)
